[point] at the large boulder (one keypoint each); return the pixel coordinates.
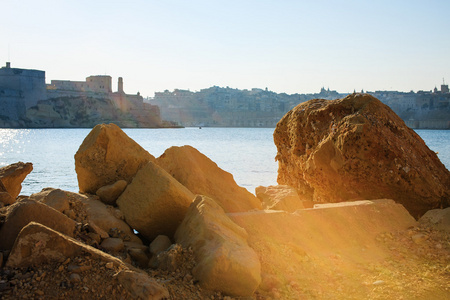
(107, 155)
(281, 197)
(202, 176)
(25, 211)
(224, 261)
(357, 148)
(13, 175)
(154, 202)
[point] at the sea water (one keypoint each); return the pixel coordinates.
(247, 153)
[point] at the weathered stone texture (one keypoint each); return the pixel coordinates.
(55, 198)
(281, 197)
(159, 244)
(224, 260)
(141, 286)
(154, 202)
(13, 175)
(437, 218)
(99, 215)
(109, 193)
(38, 244)
(290, 245)
(202, 176)
(107, 155)
(5, 197)
(357, 148)
(23, 212)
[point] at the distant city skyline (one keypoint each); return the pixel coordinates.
(287, 46)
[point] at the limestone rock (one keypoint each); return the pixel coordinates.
(141, 286)
(13, 175)
(154, 202)
(437, 218)
(93, 228)
(55, 198)
(5, 197)
(289, 242)
(109, 193)
(107, 155)
(133, 245)
(419, 238)
(170, 260)
(357, 148)
(159, 244)
(38, 244)
(224, 260)
(113, 245)
(281, 197)
(139, 256)
(99, 214)
(23, 212)
(202, 176)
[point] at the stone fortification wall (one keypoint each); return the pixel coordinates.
(29, 83)
(126, 102)
(26, 101)
(11, 108)
(96, 84)
(58, 93)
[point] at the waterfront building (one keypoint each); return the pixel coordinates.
(20, 89)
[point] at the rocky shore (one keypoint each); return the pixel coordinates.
(337, 226)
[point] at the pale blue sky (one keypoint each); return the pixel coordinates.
(287, 46)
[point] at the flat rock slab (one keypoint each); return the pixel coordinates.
(37, 244)
(290, 245)
(23, 212)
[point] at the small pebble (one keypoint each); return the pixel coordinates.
(109, 265)
(75, 277)
(419, 238)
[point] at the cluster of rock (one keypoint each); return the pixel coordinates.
(182, 214)
(129, 199)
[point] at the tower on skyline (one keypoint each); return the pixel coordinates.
(444, 87)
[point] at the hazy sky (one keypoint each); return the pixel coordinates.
(287, 46)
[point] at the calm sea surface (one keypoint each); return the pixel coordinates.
(247, 153)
